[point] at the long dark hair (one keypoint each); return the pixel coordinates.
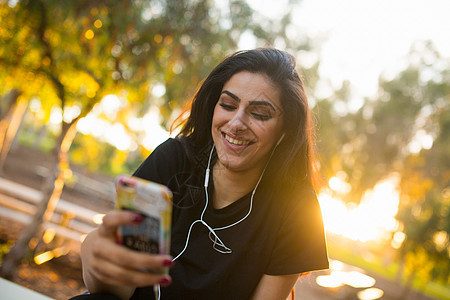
(294, 157)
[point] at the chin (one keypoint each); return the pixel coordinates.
(229, 164)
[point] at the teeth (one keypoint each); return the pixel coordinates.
(236, 142)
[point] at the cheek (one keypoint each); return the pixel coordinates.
(216, 125)
(219, 118)
(271, 133)
(273, 138)
(215, 119)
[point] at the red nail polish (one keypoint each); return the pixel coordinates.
(167, 263)
(137, 218)
(165, 281)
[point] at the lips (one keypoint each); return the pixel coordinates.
(234, 141)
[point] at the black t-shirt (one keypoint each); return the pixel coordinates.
(282, 235)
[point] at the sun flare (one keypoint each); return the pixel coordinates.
(372, 219)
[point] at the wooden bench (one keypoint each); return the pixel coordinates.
(19, 202)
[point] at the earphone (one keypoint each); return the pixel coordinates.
(280, 140)
(217, 242)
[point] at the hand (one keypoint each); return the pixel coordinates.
(108, 265)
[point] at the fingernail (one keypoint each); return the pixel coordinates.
(165, 281)
(137, 218)
(167, 263)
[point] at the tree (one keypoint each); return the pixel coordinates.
(403, 130)
(371, 143)
(72, 53)
(10, 121)
(424, 210)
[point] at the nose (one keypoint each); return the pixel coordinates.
(238, 122)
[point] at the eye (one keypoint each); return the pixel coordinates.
(227, 106)
(261, 116)
(261, 113)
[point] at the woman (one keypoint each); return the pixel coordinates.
(246, 222)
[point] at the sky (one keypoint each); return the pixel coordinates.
(358, 40)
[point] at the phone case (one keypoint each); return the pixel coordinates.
(154, 202)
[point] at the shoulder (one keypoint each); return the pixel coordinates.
(296, 211)
(300, 245)
(170, 146)
(166, 158)
(302, 204)
(291, 196)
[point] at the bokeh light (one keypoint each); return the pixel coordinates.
(372, 219)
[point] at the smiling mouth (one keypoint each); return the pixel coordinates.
(235, 141)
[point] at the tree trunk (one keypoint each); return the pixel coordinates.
(10, 99)
(14, 121)
(6, 115)
(51, 193)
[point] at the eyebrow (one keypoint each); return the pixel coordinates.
(232, 95)
(254, 102)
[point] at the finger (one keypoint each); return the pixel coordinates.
(114, 219)
(117, 275)
(132, 259)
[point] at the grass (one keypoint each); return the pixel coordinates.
(345, 252)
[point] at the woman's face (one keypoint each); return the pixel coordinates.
(247, 121)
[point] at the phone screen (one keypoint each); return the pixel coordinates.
(143, 237)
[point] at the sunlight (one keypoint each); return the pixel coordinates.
(421, 140)
(337, 278)
(398, 239)
(146, 130)
(372, 219)
(339, 185)
(154, 133)
(71, 112)
(82, 237)
(370, 294)
(116, 135)
(44, 257)
(358, 280)
(48, 255)
(329, 281)
(336, 265)
(48, 236)
(159, 90)
(98, 219)
(56, 115)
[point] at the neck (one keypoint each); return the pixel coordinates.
(229, 186)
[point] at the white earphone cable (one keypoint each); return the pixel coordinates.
(212, 231)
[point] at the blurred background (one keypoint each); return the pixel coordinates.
(89, 88)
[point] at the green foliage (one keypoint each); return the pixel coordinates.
(373, 142)
(405, 131)
(104, 158)
(72, 53)
(425, 205)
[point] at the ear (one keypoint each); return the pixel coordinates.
(280, 139)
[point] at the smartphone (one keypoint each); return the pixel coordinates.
(154, 202)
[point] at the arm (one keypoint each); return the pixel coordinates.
(274, 287)
(115, 269)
